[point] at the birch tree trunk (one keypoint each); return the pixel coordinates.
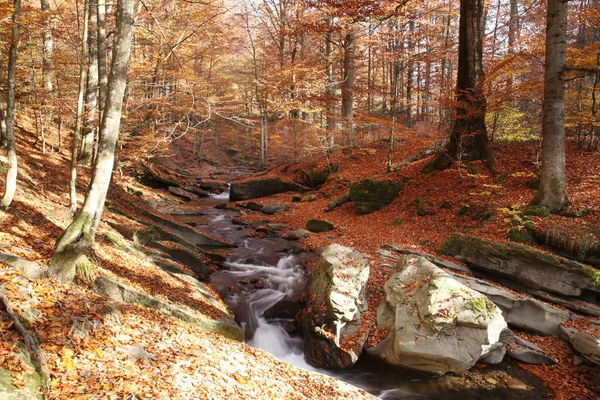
(91, 94)
(553, 185)
(468, 138)
(2, 113)
(11, 174)
(102, 77)
(47, 46)
(79, 235)
(77, 133)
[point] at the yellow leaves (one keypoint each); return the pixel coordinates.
(48, 304)
(6, 324)
(99, 352)
(484, 193)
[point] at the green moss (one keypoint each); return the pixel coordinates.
(134, 191)
(3, 168)
(315, 178)
(538, 211)
(520, 235)
(428, 168)
(478, 304)
(371, 195)
(85, 269)
(593, 274)
(570, 213)
(535, 184)
(452, 247)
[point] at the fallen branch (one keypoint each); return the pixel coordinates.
(340, 201)
(416, 157)
(41, 366)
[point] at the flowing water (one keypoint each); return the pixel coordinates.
(261, 282)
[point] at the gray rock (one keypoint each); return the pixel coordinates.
(297, 235)
(519, 310)
(371, 195)
(435, 323)
(524, 265)
(318, 225)
(495, 356)
(257, 188)
(567, 334)
(252, 205)
(588, 346)
(528, 353)
(29, 269)
(273, 209)
(185, 256)
(335, 301)
(184, 194)
(196, 190)
(278, 227)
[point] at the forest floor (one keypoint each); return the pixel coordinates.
(179, 360)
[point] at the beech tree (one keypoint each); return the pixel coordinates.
(91, 93)
(11, 174)
(80, 95)
(468, 138)
(552, 192)
(47, 46)
(79, 235)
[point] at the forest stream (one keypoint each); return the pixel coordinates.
(262, 281)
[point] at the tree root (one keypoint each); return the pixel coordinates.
(41, 366)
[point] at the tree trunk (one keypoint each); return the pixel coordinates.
(468, 138)
(77, 132)
(91, 94)
(513, 33)
(2, 114)
(102, 77)
(348, 86)
(11, 174)
(553, 185)
(331, 92)
(47, 47)
(79, 235)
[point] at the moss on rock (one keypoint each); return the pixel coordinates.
(371, 195)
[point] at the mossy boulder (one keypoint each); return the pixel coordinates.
(371, 195)
(318, 225)
(524, 265)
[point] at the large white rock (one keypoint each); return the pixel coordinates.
(335, 301)
(435, 323)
